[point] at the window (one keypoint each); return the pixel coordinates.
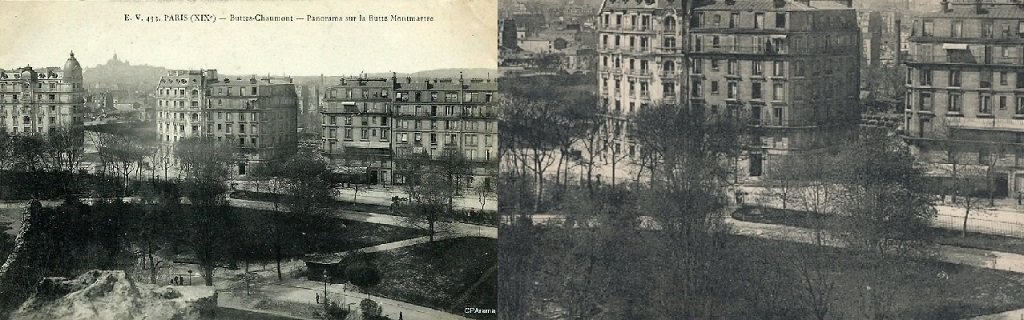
(777, 115)
(731, 68)
(1020, 106)
(757, 68)
(778, 69)
(926, 77)
(734, 18)
(954, 78)
(755, 90)
(925, 101)
(714, 87)
(928, 27)
(956, 30)
(698, 66)
(985, 105)
(759, 20)
(780, 20)
(778, 92)
(955, 102)
(348, 133)
(1003, 78)
(733, 90)
(716, 41)
(986, 29)
(364, 134)
(714, 64)
(985, 79)
(697, 88)
(1002, 102)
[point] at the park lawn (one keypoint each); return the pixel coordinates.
(939, 235)
(332, 234)
(917, 288)
(436, 275)
(10, 220)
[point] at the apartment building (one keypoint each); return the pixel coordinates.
(792, 66)
(41, 100)
(965, 97)
(368, 122)
(255, 115)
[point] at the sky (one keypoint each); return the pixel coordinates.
(462, 35)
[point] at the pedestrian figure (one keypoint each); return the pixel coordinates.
(1020, 197)
(317, 298)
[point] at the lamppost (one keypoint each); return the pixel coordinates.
(325, 283)
(190, 277)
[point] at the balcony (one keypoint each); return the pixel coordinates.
(962, 59)
(645, 73)
(768, 50)
(668, 74)
(669, 100)
(670, 50)
(995, 124)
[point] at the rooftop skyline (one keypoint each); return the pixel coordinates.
(462, 35)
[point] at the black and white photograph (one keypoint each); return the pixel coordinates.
(249, 160)
(761, 159)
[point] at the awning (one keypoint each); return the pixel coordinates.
(954, 46)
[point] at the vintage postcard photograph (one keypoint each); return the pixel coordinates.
(761, 159)
(249, 160)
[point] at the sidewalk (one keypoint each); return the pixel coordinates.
(1003, 219)
(381, 195)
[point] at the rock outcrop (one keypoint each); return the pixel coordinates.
(111, 295)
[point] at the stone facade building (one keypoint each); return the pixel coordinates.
(368, 122)
(965, 97)
(41, 100)
(256, 115)
(793, 68)
(791, 65)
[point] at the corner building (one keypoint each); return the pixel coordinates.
(792, 66)
(257, 116)
(965, 90)
(368, 122)
(41, 100)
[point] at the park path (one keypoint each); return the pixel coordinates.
(995, 260)
(302, 291)
(380, 195)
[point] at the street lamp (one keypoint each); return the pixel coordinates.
(325, 283)
(190, 277)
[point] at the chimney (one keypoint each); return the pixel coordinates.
(945, 5)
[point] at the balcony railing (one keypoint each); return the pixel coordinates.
(963, 59)
(1016, 125)
(742, 49)
(670, 49)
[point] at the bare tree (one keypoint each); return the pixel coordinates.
(204, 164)
(430, 191)
(124, 153)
